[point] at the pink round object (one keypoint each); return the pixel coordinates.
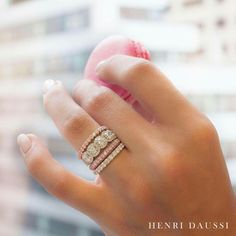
(111, 46)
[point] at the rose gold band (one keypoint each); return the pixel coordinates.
(110, 158)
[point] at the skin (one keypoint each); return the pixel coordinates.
(172, 168)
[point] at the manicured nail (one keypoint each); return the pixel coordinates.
(48, 84)
(99, 65)
(24, 142)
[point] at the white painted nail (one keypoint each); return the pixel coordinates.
(24, 142)
(48, 84)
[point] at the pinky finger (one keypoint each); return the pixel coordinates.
(61, 183)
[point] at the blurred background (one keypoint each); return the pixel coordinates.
(192, 41)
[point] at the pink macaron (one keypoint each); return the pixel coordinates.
(111, 46)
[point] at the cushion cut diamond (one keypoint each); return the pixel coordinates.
(87, 158)
(108, 135)
(93, 150)
(100, 141)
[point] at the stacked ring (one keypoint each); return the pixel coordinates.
(111, 157)
(100, 148)
(104, 154)
(90, 138)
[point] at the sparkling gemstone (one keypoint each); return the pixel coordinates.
(88, 159)
(93, 149)
(100, 141)
(108, 135)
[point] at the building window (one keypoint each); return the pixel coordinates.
(133, 13)
(61, 228)
(188, 3)
(201, 26)
(45, 225)
(225, 48)
(75, 21)
(143, 13)
(96, 233)
(31, 221)
(221, 23)
(18, 1)
(69, 64)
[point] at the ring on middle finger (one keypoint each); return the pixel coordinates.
(96, 145)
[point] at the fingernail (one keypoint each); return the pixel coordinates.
(99, 65)
(48, 84)
(24, 142)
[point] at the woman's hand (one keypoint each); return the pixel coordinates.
(172, 169)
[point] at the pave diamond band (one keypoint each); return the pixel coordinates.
(104, 154)
(100, 148)
(96, 145)
(111, 157)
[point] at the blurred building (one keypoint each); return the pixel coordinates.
(212, 87)
(215, 20)
(41, 39)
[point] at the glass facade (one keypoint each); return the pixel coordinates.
(74, 21)
(69, 64)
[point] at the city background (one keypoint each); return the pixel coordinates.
(192, 41)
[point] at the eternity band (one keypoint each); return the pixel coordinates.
(109, 158)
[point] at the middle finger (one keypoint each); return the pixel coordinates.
(109, 109)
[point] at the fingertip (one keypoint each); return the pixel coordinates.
(24, 141)
(99, 66)
(50, 85)
(105, 65)
(27, 143)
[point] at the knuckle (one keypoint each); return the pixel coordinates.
(98, 100)
(171, 163)
(204, 130)
(171, 153)
(35, 163)
(59, 186)
(141, 68)
(74, 121)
